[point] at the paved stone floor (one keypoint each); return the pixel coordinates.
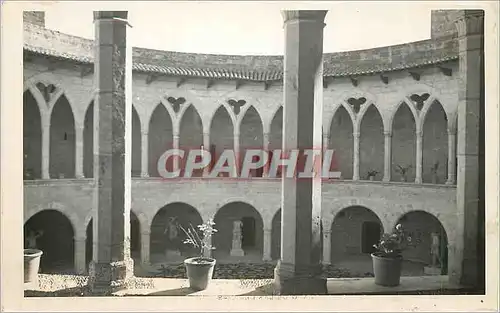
(73, 285)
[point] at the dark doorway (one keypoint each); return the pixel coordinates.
(89, 243)
(135, 236)
(248, 232)
(54, 236)
(370, 236)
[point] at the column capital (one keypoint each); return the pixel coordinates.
(267, 230)
(387, 133)
(104, 15)
(451, 132)
(317, 16)
(146, 232)
(176, 137)
(419, 134)
(206, 134)
(144, 132)
(469, 22)
(356, 134)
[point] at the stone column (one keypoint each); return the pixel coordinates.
(387, 156)
(325, 142)
(418, 167)
(175, 145)
(206, 146)
(355, 167)
(327, 246)
(266, 142)
(466, 264)
(144, 153)
(46, 148)
(79, 151)
(145, 247)
(452, 154)
(112, 265)
(266, 255)
(236, 145)
(299, 270)
(80, 255)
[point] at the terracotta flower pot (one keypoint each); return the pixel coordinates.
(387, 270)
(31, 265)
(199, 272)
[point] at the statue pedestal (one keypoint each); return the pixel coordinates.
(173, 255)
(237, 252)
(432, 270)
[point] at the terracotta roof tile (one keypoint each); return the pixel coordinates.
(41, 41)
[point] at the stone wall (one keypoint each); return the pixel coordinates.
(389, 201)
(387, 108)
(34, 17)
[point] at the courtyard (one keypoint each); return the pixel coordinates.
(399, 147)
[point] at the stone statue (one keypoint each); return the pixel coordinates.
(172, 229)
(32, 238)
(436, 262)
(237, 237)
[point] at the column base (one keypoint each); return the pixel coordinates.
(237, 252)
(106, 278)
(299, 282)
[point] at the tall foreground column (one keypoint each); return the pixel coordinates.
(299, 269)
(467, 259)
(112, 265)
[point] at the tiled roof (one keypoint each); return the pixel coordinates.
(41, 41)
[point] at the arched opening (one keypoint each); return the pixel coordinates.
(160, 139)
(88, 142)
(435, 145)
(276, 135)
(428, 239)
(371, 145)
(136, 144)
(341, 141)
(221, 135)
(251, 135)
(191, 136)
(167, 237)
(52, 232)
(276, 236)
(403, 145)
(243, 219)
(32, 138)
(135, 239)
(354, 232)
(62, 140)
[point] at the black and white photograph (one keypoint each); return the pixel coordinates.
(330, 152)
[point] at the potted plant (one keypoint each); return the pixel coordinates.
(403, 171)
(32, 256)
(371, 174)
(200, 269)
(434, 170)
(388, 259)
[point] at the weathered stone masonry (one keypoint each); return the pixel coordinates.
(383, 107)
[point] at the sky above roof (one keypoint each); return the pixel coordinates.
(249, 27)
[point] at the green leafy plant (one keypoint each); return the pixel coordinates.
(372, 173)
(200, 238)
(403, 170)
(392, 245)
